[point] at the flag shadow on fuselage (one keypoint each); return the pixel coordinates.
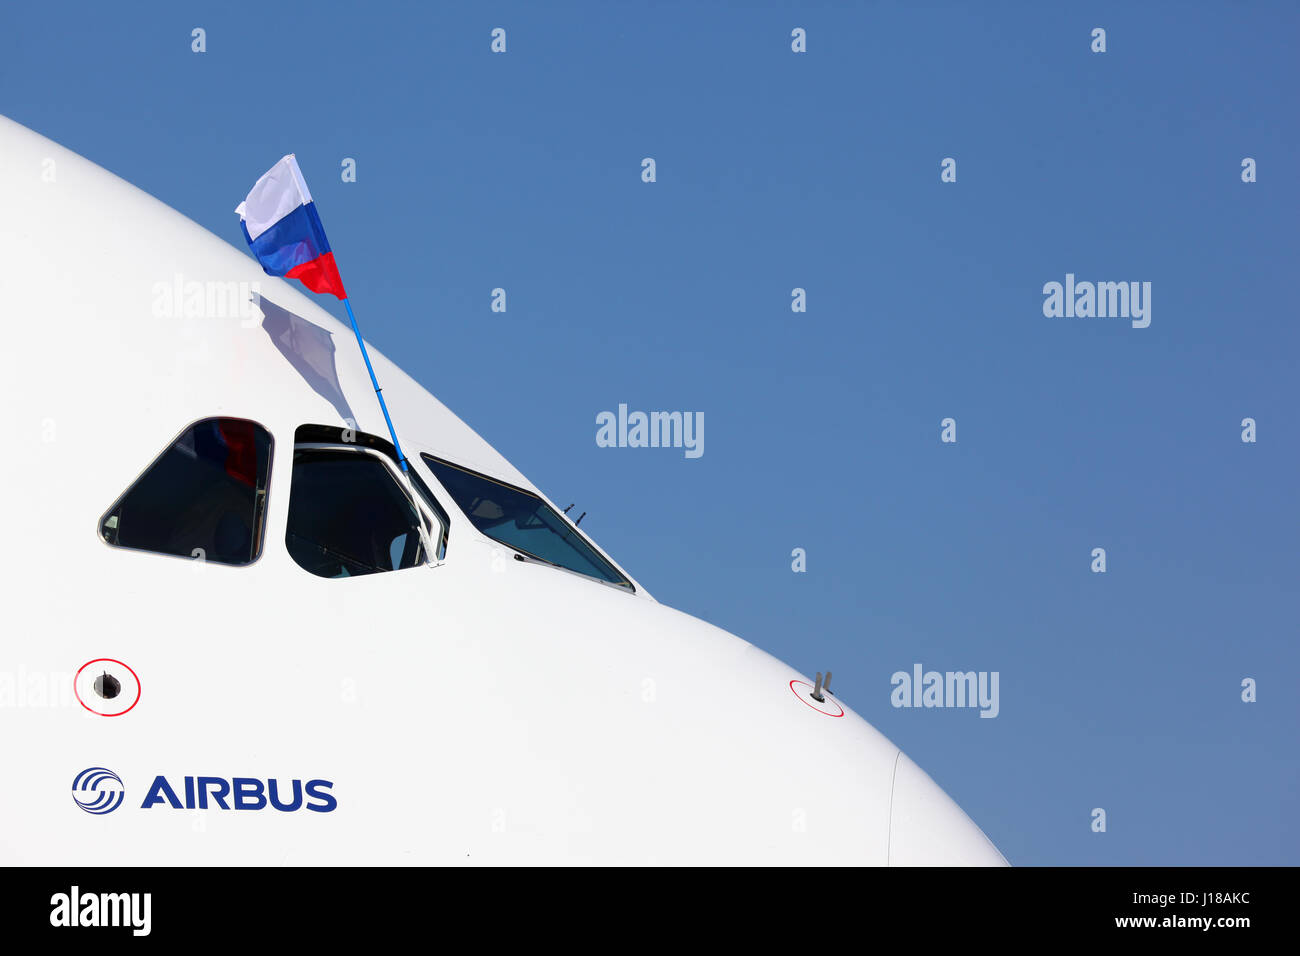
(310, 350)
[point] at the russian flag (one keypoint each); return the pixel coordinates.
(283, 230)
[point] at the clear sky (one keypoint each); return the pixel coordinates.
(821, 170)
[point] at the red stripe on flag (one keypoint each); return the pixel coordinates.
(319, 275)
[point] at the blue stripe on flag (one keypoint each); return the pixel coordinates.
(296, 239)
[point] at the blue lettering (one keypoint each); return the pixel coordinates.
(314, 789)
(160, 790)
(275, 796)
(246, 793)
(219, 790)
(248, 790)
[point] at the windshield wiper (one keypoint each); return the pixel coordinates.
(529, 554)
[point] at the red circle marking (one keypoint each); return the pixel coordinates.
(812, 703)
(138, 688)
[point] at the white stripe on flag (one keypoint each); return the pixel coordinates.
(279, 192)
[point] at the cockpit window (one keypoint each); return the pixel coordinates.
(523, 521)
(203, 498)
(348, 516)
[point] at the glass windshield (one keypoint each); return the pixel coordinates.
(347, 516)
(522, 520)
(204, 497)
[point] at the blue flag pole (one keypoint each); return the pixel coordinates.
(430, 556)
(401, 458)
(296, 233)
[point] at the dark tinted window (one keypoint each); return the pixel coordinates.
(204, 497)
(348, 516)
(336, 435)
(522, 520)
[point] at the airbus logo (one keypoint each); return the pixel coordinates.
(244, 793)
(98, 790)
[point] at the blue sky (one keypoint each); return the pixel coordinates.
(821, 170)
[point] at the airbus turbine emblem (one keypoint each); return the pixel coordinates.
(98, 790)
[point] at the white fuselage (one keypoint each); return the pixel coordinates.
(483, 710)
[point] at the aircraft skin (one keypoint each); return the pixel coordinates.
(480, 710)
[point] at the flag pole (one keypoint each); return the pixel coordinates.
(401, 458)
(293, 233)
(430, 556)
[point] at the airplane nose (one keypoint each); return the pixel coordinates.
(926, 828)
